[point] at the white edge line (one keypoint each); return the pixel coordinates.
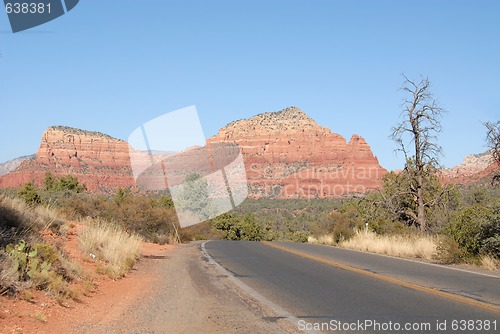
(443, 266)
(280, 312)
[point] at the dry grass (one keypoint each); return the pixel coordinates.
(321, 240)
(110, 243)
(395, 245)
(24, 220)
(489, 263)
(20, 221)
(8, 276)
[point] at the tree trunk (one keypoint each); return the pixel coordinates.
(420, 205)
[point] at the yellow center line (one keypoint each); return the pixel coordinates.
(413, 286)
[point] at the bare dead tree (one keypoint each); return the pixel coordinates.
(493, 142)
(416, 136)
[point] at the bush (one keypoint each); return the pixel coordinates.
(418, 246)
(489, 235)
(448, 251)
(9, 277)
(465, 227)
(342, 226)
(29, 194)
(152, 217)
(38, 265)
(234, 228)
(64, 183)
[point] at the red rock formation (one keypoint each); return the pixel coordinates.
(476, 168)
(288, 155)
(99, 161)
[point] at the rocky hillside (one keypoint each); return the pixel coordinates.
(288, 155)
(98, 160)
(9, 166)
(475, 168)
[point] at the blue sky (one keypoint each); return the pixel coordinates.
(110, 66)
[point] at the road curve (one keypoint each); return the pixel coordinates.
(335, 290)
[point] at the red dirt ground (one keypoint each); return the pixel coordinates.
(103, 301)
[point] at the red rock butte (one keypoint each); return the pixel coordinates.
(99, 161)
(286, 154)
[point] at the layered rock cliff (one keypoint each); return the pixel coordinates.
(288, 155)
(98, 160)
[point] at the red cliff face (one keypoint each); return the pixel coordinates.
(288, 155)
(99, 161)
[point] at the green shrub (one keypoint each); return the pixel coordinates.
(40, 266)
(250, 230)
(465, 227)
(29, 194)
(342, 226)
(152, 217)
(64, 183)
(234, 228)
(490, 235)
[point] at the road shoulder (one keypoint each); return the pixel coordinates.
(189, 295)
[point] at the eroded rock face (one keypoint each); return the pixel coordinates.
(99, 161)
(288, 155)
(475, 168)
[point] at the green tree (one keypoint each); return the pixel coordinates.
(228, 225)
(194, 198)
(68, 182)
(234, 228)
(398, 196)
(49, 182)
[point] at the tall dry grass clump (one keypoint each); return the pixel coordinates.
(20, 220)
(489, 262)
(111, 244)
(321, 240)
(415, 246)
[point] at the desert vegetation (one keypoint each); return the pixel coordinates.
(413, 214)
(108, 242)
(26, 259)
(35, 222)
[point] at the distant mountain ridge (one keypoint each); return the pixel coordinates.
(473, 169)
(9, 166)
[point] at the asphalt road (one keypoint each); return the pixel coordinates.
(334, 290)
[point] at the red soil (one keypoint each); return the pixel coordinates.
(105, 301)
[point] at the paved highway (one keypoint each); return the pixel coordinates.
(326, 289)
